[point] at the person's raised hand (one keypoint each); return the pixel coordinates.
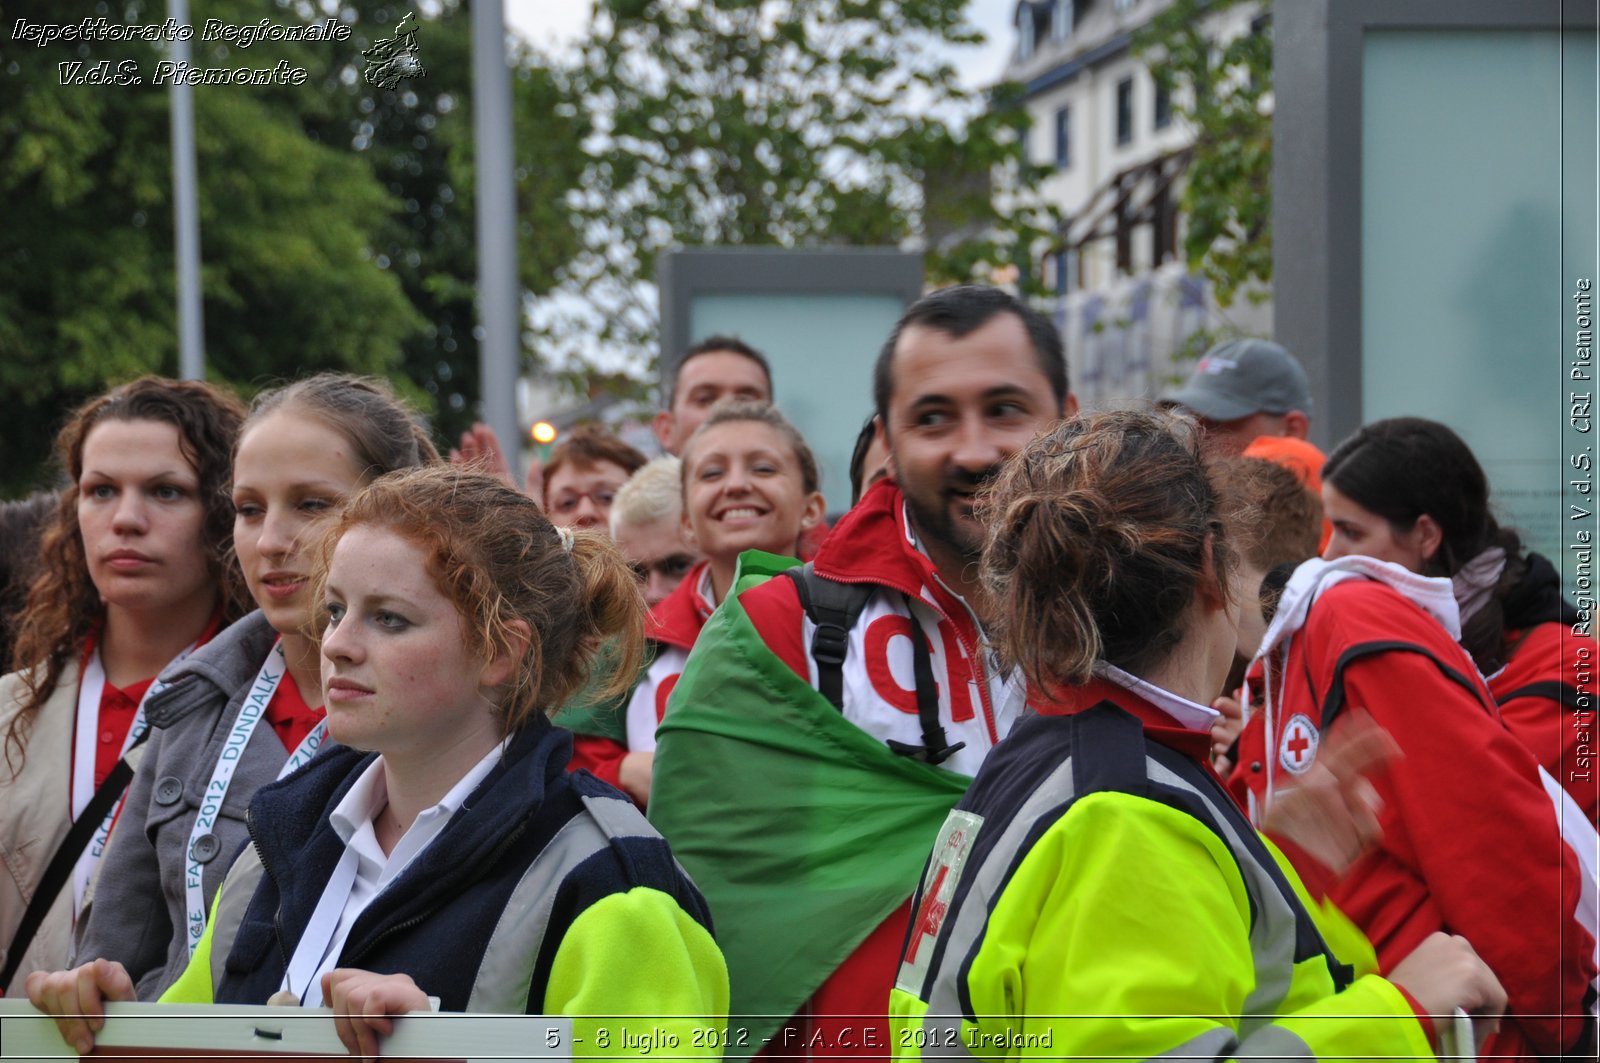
(1225, 732)
(1443, 973)
(76, 999)
(364, 1004)
(1331, 811)
(480, 451)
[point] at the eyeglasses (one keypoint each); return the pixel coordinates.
(568, 501)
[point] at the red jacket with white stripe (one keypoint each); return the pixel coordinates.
(873, 544)
(675, 623)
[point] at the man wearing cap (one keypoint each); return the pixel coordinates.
(1243, 389)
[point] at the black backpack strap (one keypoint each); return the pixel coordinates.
(1334, 702)
(833, 609)
(59, 871)
(936, 747)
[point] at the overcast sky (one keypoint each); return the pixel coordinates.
(557, 22)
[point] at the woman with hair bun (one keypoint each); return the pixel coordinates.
(133, 574)
(1097, 892)
(247, 708)
(441, 848)
(1410, 491)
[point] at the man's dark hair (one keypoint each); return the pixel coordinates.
(961, 310)
(719, 345)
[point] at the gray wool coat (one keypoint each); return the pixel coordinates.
(139, 908)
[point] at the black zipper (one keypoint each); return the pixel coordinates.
(277, 914)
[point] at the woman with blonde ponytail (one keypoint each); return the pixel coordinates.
(441, 850)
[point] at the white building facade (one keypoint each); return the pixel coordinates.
(1123, 297)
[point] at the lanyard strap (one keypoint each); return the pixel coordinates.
(255, 707)
(317, 937)
(305, 750)
(91, 689)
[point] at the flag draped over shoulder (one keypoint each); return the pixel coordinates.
(803, 831)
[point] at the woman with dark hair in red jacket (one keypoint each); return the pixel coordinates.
(1471, 843)
(1408, 490)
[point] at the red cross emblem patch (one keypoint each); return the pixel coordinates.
(1299, 746)
(950, 853)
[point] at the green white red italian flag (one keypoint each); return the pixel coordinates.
(802, 831)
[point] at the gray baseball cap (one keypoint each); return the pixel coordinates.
(1243, 377)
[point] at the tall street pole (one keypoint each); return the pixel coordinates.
(498, 288)
(191, 325)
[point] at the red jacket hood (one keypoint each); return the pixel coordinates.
(676, 620)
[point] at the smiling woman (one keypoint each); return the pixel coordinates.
(750, 482)
(133, 573)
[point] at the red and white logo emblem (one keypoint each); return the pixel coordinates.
(951, 850)
(1299, 746)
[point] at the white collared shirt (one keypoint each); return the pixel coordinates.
(352, 819)
(1191, 714)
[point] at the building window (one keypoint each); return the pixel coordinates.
(1161, 116)
(1163, 228)
(1125, 111)
(1064, 138)
(1065, 267)
(1025, 32)
(1061, 18)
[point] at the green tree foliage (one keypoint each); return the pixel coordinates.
(87, 285)
(337, 225)
(788, 123)
(1222, 90)
(418, 141)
